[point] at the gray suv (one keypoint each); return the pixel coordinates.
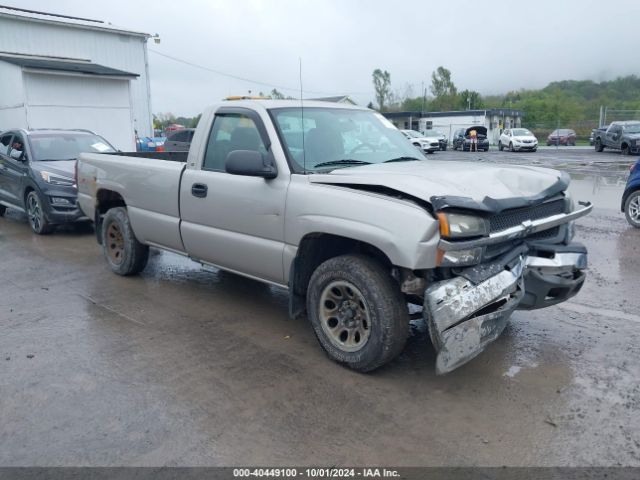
(37, 173)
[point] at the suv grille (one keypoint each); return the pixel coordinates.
(513, 217)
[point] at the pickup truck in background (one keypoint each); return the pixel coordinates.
(623, 136)
(333, 203)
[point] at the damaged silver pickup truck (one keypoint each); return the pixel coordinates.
(335, 204)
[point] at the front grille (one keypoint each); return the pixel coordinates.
(514, 217)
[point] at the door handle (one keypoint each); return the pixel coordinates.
(199, 190)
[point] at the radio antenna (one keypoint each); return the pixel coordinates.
(304, 153)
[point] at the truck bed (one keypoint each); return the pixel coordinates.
(170, 156)
(149, 183)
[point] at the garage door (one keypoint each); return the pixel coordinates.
(102, 105)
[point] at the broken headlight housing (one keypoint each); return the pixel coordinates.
(458, 225)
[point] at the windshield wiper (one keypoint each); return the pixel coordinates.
(346, 161)
(402, 159)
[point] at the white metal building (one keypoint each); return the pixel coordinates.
(448, 122)
(66, 72)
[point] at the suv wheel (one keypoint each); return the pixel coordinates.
(122, 250)
(632, 209)
(500, 147)
(35, 212)
(357, 312)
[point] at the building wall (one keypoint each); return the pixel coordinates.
(112, 49)
(12, 112)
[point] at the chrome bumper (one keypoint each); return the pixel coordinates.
(465, 316)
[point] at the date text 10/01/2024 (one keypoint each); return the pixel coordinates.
(315, 472)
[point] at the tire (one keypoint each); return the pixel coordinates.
(37, 219)
(632, 209)
(534, 149)
(511, 146)
(122, 250)
(3, 209)
(625, 150)
(380, 328)
(500, 147)
(598, 145)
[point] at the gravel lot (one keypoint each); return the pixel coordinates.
(185, 366)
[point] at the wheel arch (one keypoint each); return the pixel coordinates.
(313, 250)
(106, 199)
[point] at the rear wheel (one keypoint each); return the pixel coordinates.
(122, 250)
(598, 145)
(35, 213)
(632, 209)
(357, 312)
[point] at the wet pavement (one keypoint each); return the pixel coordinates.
(186, 366)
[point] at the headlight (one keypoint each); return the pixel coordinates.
(54, 179)
(457, 225)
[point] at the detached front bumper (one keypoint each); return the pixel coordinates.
(469, 311)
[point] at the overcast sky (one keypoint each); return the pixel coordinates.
(489, 46)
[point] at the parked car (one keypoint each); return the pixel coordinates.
(462, 139)
(517, 139)
(562, 136)
(179, 141)
(631, 196)
(426, 144)
(37, 173)
(442, 138)
(623, 136)
(150, 144)
(353, 231)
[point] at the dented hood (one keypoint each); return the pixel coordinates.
(440, 181)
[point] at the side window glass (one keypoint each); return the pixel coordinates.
(5, 143)
(230, 132)
(16, 150)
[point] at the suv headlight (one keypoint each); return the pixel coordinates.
(458, 225)
(54, 179)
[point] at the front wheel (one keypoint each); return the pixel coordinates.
(3, 209)
(500, 147)
(122, 250)
(511, 147)
(625, 149)
(632, 209)
(357, 312)
(35, 212)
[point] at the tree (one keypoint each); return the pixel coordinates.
(382, 86)
(469, 99)
(441, 84)
(276, 95)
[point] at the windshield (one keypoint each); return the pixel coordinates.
(340, 136)
(634, 128)
(66, 145)
(521, 132)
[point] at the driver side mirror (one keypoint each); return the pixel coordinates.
(250, 163)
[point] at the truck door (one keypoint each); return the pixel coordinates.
(232, 221)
